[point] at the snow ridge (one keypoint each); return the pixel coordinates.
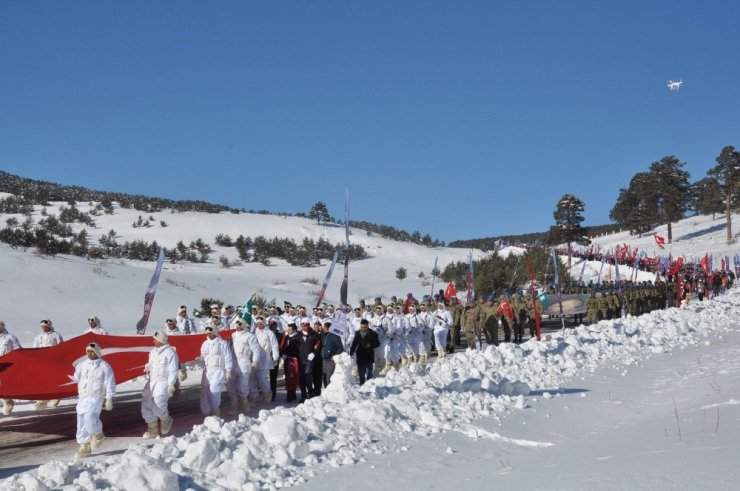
(287, 446)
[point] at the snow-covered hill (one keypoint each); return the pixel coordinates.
(69, 289)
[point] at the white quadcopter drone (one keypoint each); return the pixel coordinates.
(674, 84)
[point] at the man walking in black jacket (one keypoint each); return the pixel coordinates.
(364, 344)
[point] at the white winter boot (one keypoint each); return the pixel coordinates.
(97, 440)
(244, 403)
(152, 430)
(83, 451)
(54, 402)
(40, 405)
(166, 424)
(423, 359)
(8, 406)
(404, 361)
(441, 353)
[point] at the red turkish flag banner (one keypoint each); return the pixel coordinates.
(450, 291)
(45, 373)
(505, 308)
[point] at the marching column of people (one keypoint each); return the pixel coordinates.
(379, 337)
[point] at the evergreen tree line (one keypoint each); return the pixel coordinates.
(526, 240)
(663, 194)
(308, 253)
(499, 274)
(389, 232)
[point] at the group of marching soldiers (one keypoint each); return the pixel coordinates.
(486, 318)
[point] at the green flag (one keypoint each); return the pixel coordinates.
(246, 311)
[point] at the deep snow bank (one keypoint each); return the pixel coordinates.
(286, 446)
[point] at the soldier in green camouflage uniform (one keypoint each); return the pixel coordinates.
(453, 338)
(592, 309)
(491, 320)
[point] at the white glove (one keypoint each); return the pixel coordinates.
(146, 368)
(311, 356)
(171, 390)
(254, 364)
(109, 404)
(228, 375)
(182, 375)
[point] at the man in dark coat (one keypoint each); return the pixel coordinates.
(309, 350)
(364, 344)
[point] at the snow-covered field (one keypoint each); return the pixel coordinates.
(635, 403)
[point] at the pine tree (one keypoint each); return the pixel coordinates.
(671, 184)
(637, 206)
(319, 212)
(568, 218)
(727, 173)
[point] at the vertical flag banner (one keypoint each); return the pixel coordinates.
(345, 282)
(583, 268)
(534, 298)
(434, 274)
(326, 279)
(471, 278)
(149, 295)
(557, 286)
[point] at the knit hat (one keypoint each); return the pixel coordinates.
(161, 337)
(96, 348)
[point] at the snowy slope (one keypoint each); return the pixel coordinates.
(70, 289)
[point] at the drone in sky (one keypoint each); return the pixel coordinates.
(674, 85)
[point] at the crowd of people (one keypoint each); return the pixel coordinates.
(303, 342)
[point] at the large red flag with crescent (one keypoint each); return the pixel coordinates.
(45, 373)
(450, 291)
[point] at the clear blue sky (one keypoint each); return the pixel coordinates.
(460, 119)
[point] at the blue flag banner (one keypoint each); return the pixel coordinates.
(343, 290)
(149, 295)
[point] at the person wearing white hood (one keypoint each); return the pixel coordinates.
(8, 343)
(48, 337)
(162, 371)
(218, 361)
(94, 326)
(246, 353)
(96, 385)
(442, 321)
(269, 355)
(185, 324)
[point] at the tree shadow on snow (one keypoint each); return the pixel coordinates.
(11, 471)
(704, 231)
(558, 391)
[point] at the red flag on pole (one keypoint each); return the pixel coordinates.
(450, 291)
(659, 240)
(704, 262)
